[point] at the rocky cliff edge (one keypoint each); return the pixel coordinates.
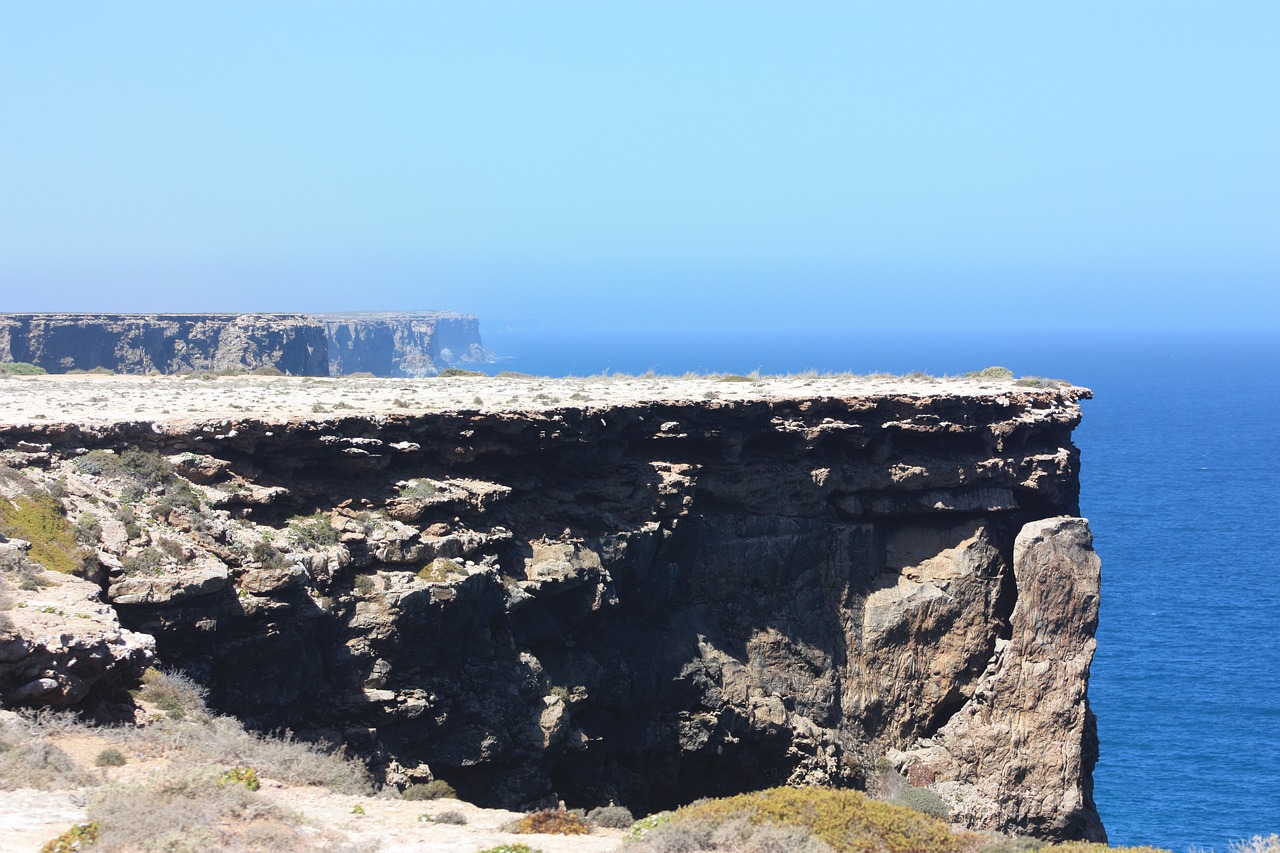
(692, 588)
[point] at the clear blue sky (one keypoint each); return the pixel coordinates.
(842, 164)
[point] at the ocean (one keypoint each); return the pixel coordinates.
(1181, 484)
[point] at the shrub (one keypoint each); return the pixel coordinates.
(923, 800)
(267, 370)
(189, 812)
(990, 373)
(78, 837)
(246, 776)
(846, 820)
(313, 531)
(266, 554)
(21, 368)
(450, 372)
(88, 529)
(440, 570)
(172, 692)
(39, 764)
(1041, 382)
(1257, 844)
(144, 561)
(436, 789)
(552, 822)
(611, 817)
(110, 757)
(40, 520)
(451, 816)
(419, 490)
(646, 825)
(510, 848)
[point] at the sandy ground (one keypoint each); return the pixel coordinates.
(29, 818)
(92, 399)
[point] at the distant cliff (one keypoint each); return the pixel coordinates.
(385, 344)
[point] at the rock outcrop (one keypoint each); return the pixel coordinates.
(642, 602)
(386, 344)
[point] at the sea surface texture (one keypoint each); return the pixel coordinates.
(1181, 484)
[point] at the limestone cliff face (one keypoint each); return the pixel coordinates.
(403, 344)
(400, 344)
(644, 603)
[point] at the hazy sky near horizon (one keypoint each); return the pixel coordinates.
(859, 165)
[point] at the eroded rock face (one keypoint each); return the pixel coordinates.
(643, 603)
(403, 344)
(64, 646)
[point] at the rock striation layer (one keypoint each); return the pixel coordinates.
(644, 602)
(387, 344)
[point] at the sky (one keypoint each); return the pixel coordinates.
(815, 164)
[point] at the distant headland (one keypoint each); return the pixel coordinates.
(412, 343)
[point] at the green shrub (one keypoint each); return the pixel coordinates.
(78, 837)
(1041, 382)
(436, 789)
(990, 373)
(645, 825)
(110, 757)
(40, 520)
(172, 692)
(440, 570)
(21, 368)
(510, 848)
(313, 531)
(923, 800)
(88, 529)
(144, 561)
(419, 490)
(611, 817)
(267, 370)
(266, 555)
(846, 820)
(552, 822)
(246, 776)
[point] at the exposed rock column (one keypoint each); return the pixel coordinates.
(1028, 727)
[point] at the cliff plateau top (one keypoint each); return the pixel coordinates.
(89, 399)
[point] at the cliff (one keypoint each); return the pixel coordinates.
(387, 344)
(647, 595)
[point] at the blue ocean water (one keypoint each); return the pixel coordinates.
(1181, 483)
